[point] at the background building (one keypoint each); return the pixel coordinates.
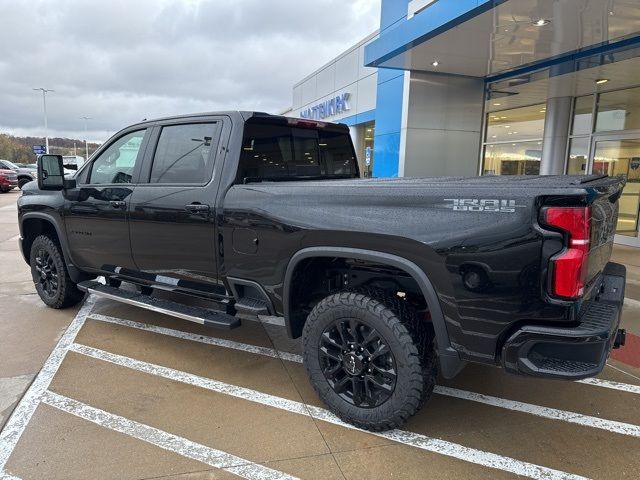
(499, 87)
(354, 86)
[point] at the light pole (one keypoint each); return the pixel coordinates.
(44, 105)
(86, 146)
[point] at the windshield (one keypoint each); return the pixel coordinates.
(8, 164)
(276, 152)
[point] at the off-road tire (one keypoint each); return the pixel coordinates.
(67, 293)
(409, 338)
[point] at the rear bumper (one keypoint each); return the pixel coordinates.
(577, 352)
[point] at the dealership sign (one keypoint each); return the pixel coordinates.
(328, 108)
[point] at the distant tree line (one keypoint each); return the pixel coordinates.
(18, 149)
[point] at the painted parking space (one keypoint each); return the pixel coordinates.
(132, 394)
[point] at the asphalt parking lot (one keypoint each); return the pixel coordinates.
(130, 394)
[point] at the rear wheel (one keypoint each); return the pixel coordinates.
(370, 359)
(23, 181)
(50, 275)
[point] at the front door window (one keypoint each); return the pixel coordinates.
(117, 162)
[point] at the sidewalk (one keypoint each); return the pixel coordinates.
(28, 329)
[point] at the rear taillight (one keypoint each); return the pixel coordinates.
(569, 268)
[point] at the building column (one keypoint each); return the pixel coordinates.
(441, 125)
(556, 135)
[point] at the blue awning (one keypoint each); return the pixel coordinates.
(492, 38)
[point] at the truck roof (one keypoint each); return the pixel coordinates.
(245, 114)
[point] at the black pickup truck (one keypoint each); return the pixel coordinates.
(389, 281)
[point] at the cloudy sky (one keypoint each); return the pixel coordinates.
(119, 61)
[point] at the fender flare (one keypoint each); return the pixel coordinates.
(75, 273)
(450, 362)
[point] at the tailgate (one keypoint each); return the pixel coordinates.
(604, 217)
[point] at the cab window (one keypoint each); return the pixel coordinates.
(272, 152)
(117, 163)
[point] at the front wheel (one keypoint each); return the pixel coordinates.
(50, 275)
(23, 181)
(369, 358)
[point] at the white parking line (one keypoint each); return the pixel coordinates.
(443, 447)
(194, 337)
(6, 476)
(545, 412)
(292, 357)
(24, 411)
(623, 387)
(167, 441)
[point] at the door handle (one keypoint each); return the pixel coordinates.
(197, 208)
(118, 203)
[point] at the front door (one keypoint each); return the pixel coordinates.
(620, 155)
(172, 211)
(96, 211)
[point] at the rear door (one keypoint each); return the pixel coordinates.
(172, 211)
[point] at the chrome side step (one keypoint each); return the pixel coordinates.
(203, 316)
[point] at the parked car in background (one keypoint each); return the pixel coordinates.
(24, 174)
(72, 162)
(8, 179)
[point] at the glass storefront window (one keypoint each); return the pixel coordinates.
(583, 115)
(578, 156)
(622, 157)
(521, 158)
(523, 123)
(619, 110)
(367, 154)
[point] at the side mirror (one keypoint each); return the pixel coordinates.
(50, 172)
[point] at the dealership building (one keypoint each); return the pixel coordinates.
(492, 87)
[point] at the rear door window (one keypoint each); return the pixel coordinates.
(184, 154)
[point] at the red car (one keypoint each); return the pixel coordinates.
(8, 180)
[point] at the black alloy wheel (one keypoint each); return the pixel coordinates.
(370, 357)
(50, 275)
(357, 363)
(46, 269)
